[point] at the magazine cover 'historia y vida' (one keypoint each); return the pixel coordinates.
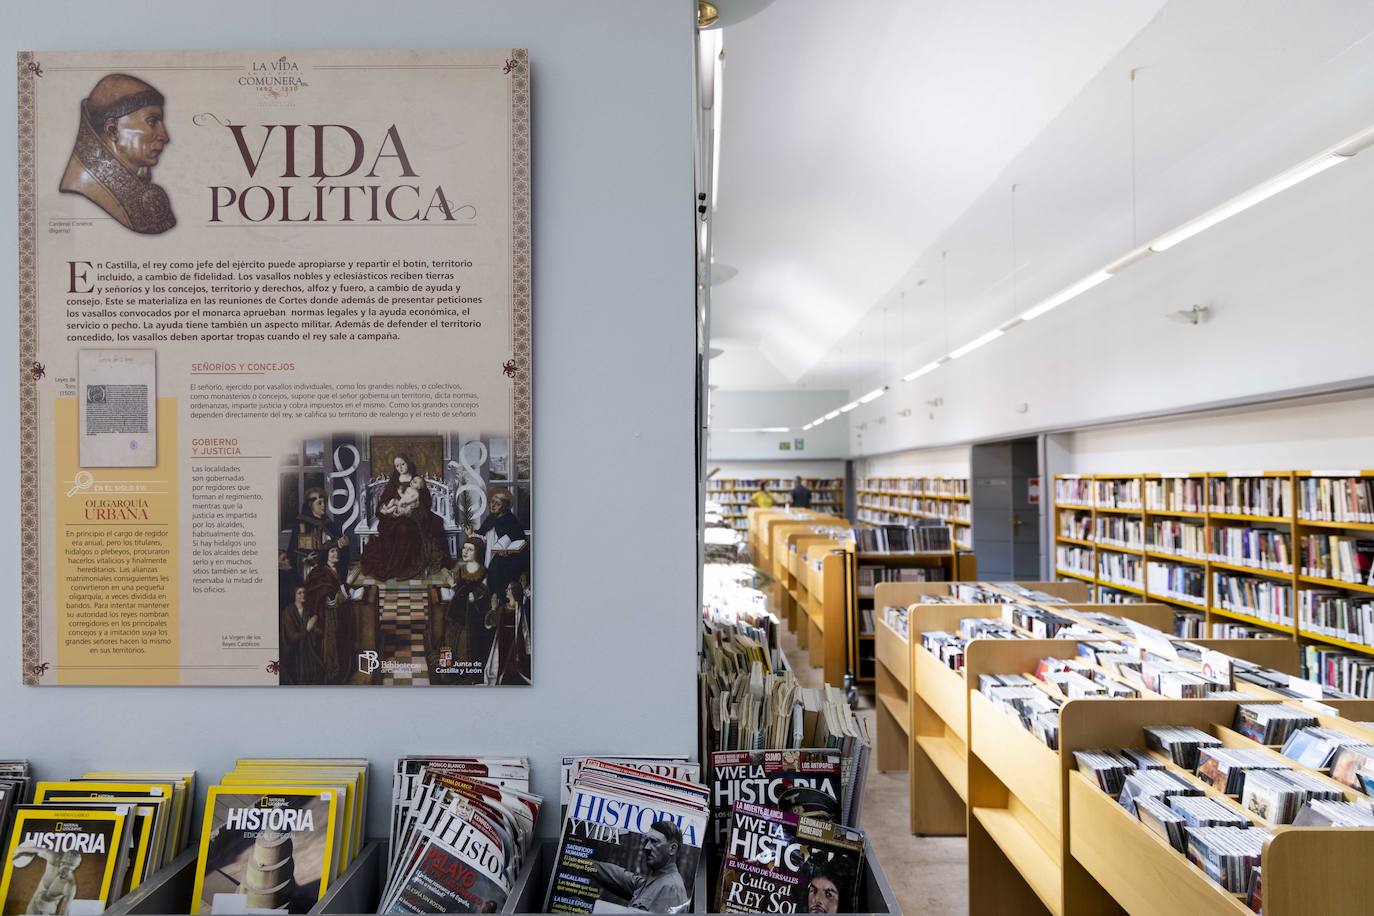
(276, 399)
(623, 854)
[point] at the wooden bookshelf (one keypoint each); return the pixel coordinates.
(954, 565)
(732, 493)
(1110, 853)
(974, 768)
(1091, 510)
(796, 593)
(939, 707)
(1043, 838)
(822, 633)
(897, 500)
(937, 736)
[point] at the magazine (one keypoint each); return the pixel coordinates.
(780, 862)
(265, 848)
(63, 860)
(630, 840)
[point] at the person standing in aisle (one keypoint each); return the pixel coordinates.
(801, 495)
(761, 498)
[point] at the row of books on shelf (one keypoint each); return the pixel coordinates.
(1347, 498)
(918, 505)
(1336, 557)
(931, 486)
(1240, 495)
(1335, 499)
(918, 538)
(738, 484)
(870, 577)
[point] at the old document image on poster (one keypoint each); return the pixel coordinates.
(117, 408)
(275, 330)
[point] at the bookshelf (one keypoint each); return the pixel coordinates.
(820, 631)
(953, 565)
(1305, 869)
(939, 709)
(937, 702)
(972, 767)
(896, 500)
(1044, 839)
(732, 493)
(1247, 547)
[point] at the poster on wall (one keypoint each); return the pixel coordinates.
(274, 324)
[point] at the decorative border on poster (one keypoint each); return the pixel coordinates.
(520, 368)
(522, 420)
(30, 371)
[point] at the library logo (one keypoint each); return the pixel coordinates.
(368, 661)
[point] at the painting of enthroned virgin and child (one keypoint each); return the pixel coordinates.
(409, 555)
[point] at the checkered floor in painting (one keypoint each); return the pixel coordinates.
(402, 625)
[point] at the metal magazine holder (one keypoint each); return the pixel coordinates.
(357, 890)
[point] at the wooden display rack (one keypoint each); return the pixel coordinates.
(820, 630)
(1305, 869)
(798, 576)
(1016, 827)
(936, 731)
(769, 553)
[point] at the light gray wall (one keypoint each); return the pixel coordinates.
(614, 632)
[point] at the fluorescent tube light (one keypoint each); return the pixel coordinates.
(818, 421)
(848, 407)
(1246, 200)
(873, 395)
(807, 426)
(718, 87)
(1064, 295)
(760, 429)
(928, 367)
(972, 345)
(833, 414)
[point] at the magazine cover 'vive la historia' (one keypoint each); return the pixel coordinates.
(276, 400)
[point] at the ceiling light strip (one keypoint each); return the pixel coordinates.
(1332, 156)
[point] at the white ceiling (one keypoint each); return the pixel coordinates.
(1227, 94)
(854, 135)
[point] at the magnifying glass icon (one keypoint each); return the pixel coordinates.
(82, 481)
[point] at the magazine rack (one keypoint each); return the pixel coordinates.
(359, 888)
(1305, 869)
(168, 890)
(528, 894)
